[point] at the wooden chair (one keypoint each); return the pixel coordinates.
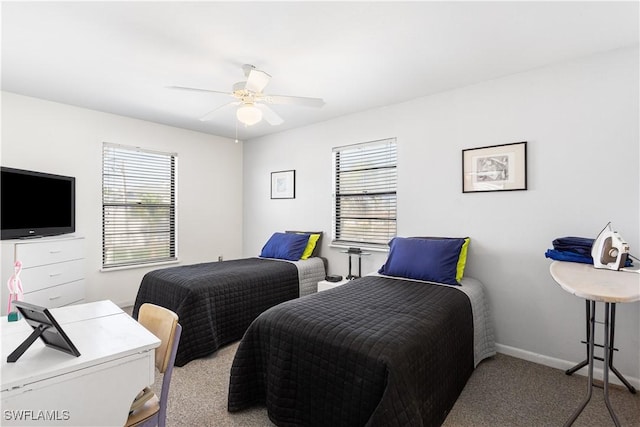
(163, 323)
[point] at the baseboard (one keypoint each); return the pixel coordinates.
(562, 364)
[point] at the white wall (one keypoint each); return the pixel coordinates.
(57, 138)
(581, 121)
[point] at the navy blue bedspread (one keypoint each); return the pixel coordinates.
(217, 301)
(373, 352)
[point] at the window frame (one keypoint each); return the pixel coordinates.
(377, 238)
(117, 210)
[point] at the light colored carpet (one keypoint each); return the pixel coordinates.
(506, 391)
(503, 391)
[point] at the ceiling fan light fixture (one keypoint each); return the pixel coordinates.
(249, 114)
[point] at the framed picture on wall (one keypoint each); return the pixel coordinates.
(495, 168)
(283, 184)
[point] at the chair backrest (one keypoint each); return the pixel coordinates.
(162, 323)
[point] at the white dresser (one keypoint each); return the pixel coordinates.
(52, 270)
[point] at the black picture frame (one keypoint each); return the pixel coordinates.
(495, 168)
(44, 327)
(283, 184)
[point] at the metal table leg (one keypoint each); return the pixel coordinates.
(605, 376)
(613, 369)
(588, 334)
(610, 342)
(609, 324)
(350, 276)
(586, 400)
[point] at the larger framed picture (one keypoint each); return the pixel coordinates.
(283, 185)
(495, 168)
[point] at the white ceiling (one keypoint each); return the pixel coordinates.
(119, 57)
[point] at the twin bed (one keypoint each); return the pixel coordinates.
(390, 349)
(378, 351)
(217, 301)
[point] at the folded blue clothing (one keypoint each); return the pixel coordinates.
(574, 257)
(568, 256)
(579, 245)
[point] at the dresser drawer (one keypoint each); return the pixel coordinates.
(33, 254)
(57, 296)
(37, 278)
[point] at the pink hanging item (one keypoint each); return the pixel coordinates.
(16, 293)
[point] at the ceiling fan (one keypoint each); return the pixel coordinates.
(252, 102)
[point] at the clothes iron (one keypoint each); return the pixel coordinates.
(609, 250)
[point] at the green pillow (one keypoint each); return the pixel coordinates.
(311, 245)
(462, 260)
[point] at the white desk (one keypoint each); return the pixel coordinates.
(597, 285)
(49, 387)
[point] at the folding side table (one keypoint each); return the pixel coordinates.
(597, 285)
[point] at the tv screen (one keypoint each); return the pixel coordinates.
(35, 204)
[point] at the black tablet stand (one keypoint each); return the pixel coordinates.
(44, 327)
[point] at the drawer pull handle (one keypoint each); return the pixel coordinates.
(54, 274)
(55, 251)
(52, 298)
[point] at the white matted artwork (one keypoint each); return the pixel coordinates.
(495, 168)
(283, 184)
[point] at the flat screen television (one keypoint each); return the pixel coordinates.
(36, 204)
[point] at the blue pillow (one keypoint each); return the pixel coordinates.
(285, 246)
(433, 260)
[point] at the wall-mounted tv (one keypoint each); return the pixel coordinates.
(36, 204)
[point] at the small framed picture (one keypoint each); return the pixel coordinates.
(283, 185)
(495, 168)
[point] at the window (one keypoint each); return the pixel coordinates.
(138, 206)
(365, 181)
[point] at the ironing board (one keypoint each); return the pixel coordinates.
(597, 285)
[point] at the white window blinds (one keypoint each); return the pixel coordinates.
(138, 206)
(365, 203)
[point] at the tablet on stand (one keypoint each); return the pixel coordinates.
(44, 327)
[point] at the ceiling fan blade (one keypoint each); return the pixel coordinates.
(257, 80)
(269, 115)
(195, 89)
(294, 100)
(212, 113)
